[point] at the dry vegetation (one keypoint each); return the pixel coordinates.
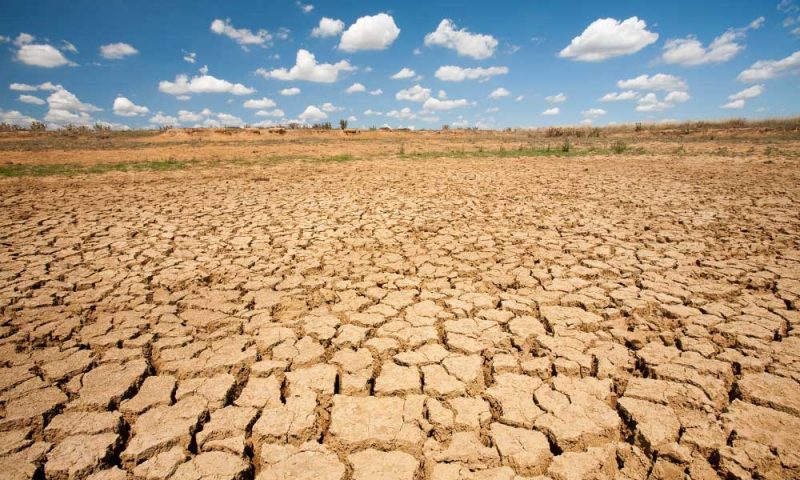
(297, 304)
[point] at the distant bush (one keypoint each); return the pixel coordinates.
(619, 147)
(566, 146)
(445, 127)
(639, 127)
(343, 124)
(37, 127)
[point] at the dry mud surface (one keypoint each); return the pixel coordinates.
(567, 318)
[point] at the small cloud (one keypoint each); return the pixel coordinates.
(356, 88)
(328, 27)
(288, 92)
(475, 45)
(190, 57)
(558, 98)
(375, 32)
(126, 108)
(552, 111)
(117, 51)
(499, 93)
(404, 73)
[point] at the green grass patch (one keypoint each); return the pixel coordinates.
(27, 170)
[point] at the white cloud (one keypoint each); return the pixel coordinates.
(735, 104)
(117, 51)
(161, 119)
(593, 113)
(659, 81)
(619, 96)
(41, 55)
(22, 87)
(183, 98)
(552, 111)
(24, 39)
(499, 93)
(306, 8)
(651, 103)
(608, 37)
(404, 73)
(492, 110)
(356, 88)
(288, 92)
(312, 113)
(375, 32)
(230, 120)
(417, 93)
(677, 97)
(402, 114)
(34, 100)
(190, 57)
(738, 99)
(434, 104)
(330, 108)
(125, 108)
(307, 68)
(13, 117)
(475, 45)
(185, 116)
(68, 46)
(451, 73)
(519, 98)
(377, 91)
(259, 103)
(242, 36)
(371, 112)
(202, 84)
(203, 70)
(767, 69)
(558, 98)
(65, 108)
(271, 113)
(328, 27)
(690, 52)
(750, 92)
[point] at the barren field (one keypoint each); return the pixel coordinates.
(400, 305)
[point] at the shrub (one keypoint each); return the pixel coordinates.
(566, 146)
(619, 147)
(445, 127)
(639, 127)
(38, 127)
(343, 124)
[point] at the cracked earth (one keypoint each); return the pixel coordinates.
(623, 317)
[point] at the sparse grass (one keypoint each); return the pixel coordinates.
(619, 147)
(46, 170)
(343, 157)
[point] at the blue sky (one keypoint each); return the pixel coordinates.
(505, 63)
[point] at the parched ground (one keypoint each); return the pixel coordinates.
(596, 316)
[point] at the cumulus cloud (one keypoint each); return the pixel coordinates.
(377, 91)
(126, 108)
(402, 114)
(328, 27)
(608, 37)
(161, 119)
(305, 7)
(734, 104)
(659, 81)
(558, 98)
(738, 100)
(306, 68)
(375, 32)
(475, 45)
(356, 88)
(690, 52)
(41, 55)
(259, 103)
(417, 93)
(288, 92)
(65, 108)
(229, 120)
(768, 69)
(451, 73)
(117, 51)
(651, 103)
(312, 112)
(242, 36)
(434, 104)
(202, 84)
(552, 111)
(677, 97)
(619, 96)
(13, 117)
(404, 73)
(270, 113)
(186, 116)
(329, 107)
(32, 99)
(499, 93)
(22, 87)
(593, 113)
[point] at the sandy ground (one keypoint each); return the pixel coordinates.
(598, 316)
